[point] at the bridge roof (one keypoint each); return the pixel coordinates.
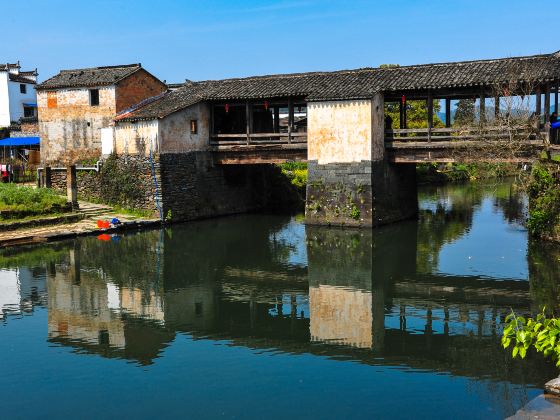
(356, 84)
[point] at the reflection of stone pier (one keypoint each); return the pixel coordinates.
(346, 302)
(341, 316)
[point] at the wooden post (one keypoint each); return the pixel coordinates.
(405, 123)
(538, 107)
(447, 112)
(497, 107)
(482, 107)
(48, 177)
(546, 103)
(248, 121)
(556, 97)
(290, 118)
(211, 125)
(401, 116)
(276, 119)
(430, 115)
(72, 186)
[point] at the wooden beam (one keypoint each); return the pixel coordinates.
(538, 105)
(404, 101)
(497, 107)
(447, 112)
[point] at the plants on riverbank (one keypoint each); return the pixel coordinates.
(296, 172)
(463, 172)
(544, 200)
(541, 333)
(20, 201)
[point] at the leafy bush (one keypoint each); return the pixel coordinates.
(544, 200)
(29, 200)
(296, 172)
(542, 334)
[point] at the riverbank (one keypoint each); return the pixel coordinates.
(80, 223)
(544, 201)
(437, 173)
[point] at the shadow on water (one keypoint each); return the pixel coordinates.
(377, 298)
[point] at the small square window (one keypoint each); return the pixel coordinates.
(94, 97)
(23, 88)
(198, 309)
(28, 111)
(194, 126)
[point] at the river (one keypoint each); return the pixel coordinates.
(260, 316)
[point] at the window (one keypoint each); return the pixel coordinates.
(22, 88)
(94, 97)
(194, 126)
(28, 111)
(51, 99)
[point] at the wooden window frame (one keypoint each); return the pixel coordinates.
(93, 102)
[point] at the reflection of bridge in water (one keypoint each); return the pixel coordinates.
(369, 305)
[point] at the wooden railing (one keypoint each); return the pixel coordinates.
(258, 138)
(463, 134)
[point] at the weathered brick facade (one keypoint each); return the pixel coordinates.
(70, 123)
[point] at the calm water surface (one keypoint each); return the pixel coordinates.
(262, 317)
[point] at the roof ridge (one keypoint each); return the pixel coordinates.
(120, 66)
(367, 69)
(484, 60)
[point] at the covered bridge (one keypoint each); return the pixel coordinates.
(361, 167)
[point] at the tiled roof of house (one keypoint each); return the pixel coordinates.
(357, 84)
(95, 76)
(8, 66)
(20, 78)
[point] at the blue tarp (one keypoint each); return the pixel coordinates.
(556, 124)
(20, 141)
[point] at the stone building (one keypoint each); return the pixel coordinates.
(17, 94)
(76, 104)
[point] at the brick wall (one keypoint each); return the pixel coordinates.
(136, 88)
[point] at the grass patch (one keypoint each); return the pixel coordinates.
(140, 214)
(296, 172)
(22, 201)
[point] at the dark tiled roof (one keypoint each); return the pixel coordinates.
(95, 76)
(21, 78)
(8, 66)
(357, 84)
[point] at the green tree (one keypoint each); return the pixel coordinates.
(416, 111)
(465, 112)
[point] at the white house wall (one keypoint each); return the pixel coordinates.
(4, 100)
(137, 138)
(17, 99)
(175, 130)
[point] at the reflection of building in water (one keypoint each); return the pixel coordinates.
(20, 290)
(80, 311)
(341, 315)
(143, 304)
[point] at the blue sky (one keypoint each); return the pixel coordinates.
(210, 39)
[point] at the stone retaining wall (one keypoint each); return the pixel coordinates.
(188, 186)
(366, 193)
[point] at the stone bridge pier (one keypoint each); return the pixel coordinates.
(350, 180)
